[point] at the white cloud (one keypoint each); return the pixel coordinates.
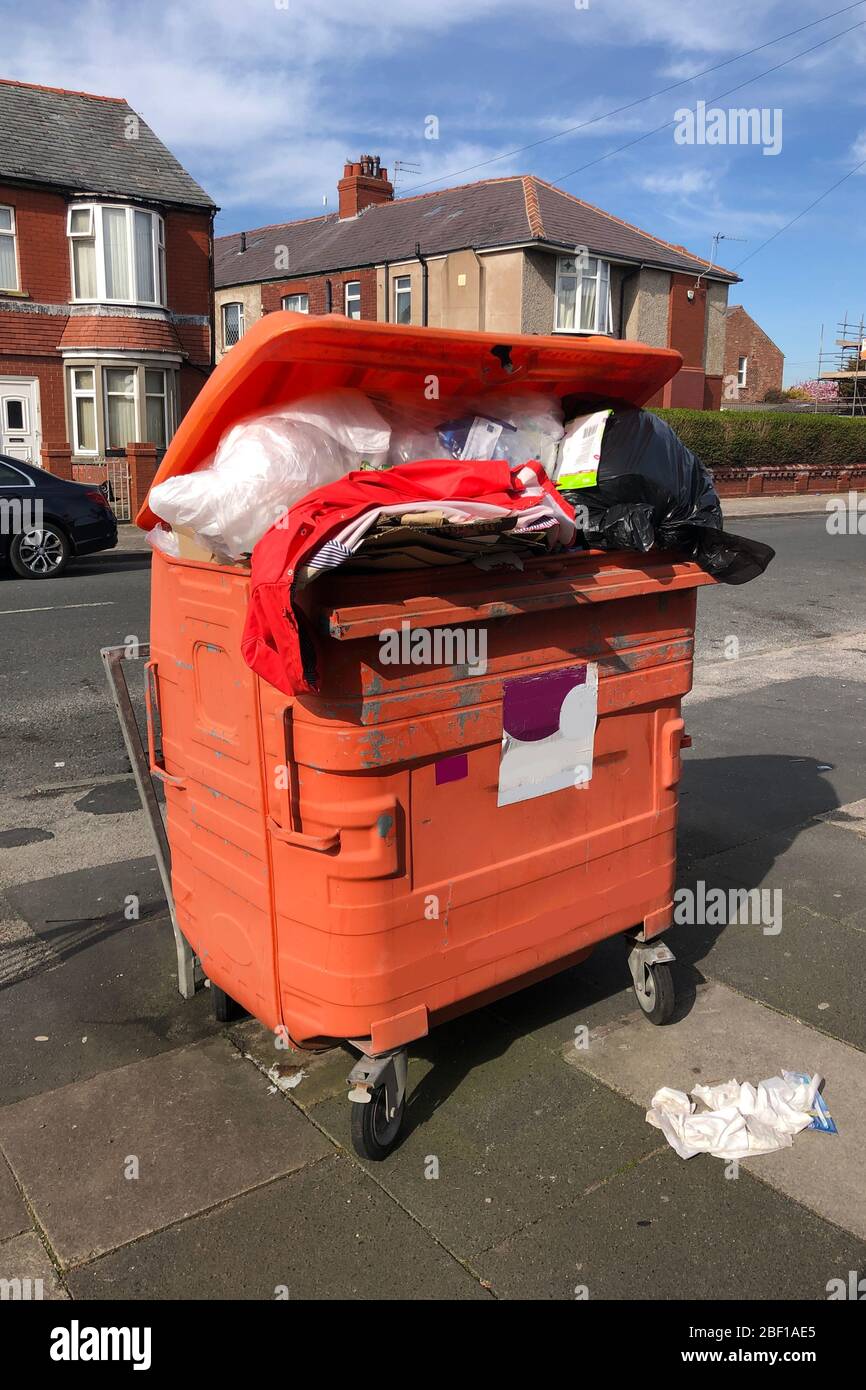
(687, 181)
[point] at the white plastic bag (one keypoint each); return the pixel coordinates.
(349, 418)
(166, 541)
(266, 464)
(261, 468)
(537, 421)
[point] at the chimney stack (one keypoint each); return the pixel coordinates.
(364, 183)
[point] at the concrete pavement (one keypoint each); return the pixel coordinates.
(150, 1153)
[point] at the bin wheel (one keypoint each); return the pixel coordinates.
(373, 1133)
(225, 1009)
(658, 996)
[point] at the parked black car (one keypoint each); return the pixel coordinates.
(46, 521)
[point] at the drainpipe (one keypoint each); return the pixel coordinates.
(622, 284)
(211, 277)
(424, 282)
(328, 297)
(387, 318)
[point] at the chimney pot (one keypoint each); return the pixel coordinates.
(364, 184)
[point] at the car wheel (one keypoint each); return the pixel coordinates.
(40, 553)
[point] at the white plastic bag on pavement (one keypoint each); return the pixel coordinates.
(261, 468)
(739, 1121)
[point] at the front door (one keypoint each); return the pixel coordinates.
(19, 418)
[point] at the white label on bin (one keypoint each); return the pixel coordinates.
(548, 733)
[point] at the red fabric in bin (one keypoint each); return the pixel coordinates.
(272, 638)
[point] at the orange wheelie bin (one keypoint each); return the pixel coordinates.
(346, 864)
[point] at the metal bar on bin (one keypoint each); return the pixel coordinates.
(113, 659)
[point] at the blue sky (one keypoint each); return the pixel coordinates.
(263, 100)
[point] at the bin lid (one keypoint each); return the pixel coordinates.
(285, 356)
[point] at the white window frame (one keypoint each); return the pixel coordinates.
(601, 275)
(76, 392)
(11, 231)
(133, 370)
(353, 299)
(742, 372)
(300, 295)
(232, 304)
(402, 286)
(164, 396)
(95, 233)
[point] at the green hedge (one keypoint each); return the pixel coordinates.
(770, 438)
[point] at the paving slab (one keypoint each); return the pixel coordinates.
(109, 999)
(667, 1229)
(308, 1076)
(812, 969)
(14, 1216)
(726, 1035)
(327, 1232)
(821, 867)
(25, 1263)
(496, 1117)
(200, 1122)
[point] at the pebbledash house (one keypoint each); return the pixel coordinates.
(509, 255)
(106, 288)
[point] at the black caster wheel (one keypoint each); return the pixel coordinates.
(657, 997)
(374, 1134)
(225, 1009)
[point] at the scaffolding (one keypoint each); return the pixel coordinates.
(845, 363)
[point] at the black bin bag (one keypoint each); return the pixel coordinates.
(653, 491)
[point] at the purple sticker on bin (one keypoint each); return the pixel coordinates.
(452, 769)
(548, 731)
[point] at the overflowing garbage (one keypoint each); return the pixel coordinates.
(340, 478)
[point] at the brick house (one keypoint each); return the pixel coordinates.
(106, 276)
(496, 255)
(752, 360)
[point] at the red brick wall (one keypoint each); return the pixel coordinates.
(50, 374)
(187, 248)
(314, 286)
(743, 338)
(43, 251)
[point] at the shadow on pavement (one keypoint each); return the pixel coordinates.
(763, 801)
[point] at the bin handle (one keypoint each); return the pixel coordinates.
(151, 701)
(294, 835)
(672, 739)
(297, 837)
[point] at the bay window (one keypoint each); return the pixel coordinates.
(113, 403)
(582, 295)
(118, 254)
(8, 257)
